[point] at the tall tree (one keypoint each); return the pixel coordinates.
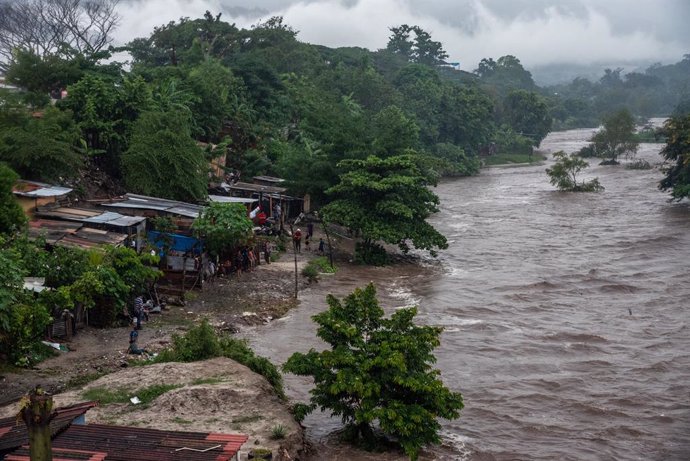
(386, 200)
(46, 26)
(163, 160)
(527, 114)
(420, 49)
(378, 371)
(677, 151)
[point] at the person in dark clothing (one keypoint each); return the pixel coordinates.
(310, 230)
(133, 338)
(245, 259)
(322, 246)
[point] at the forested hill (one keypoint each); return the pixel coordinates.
(196, 89)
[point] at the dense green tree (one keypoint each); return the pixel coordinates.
(617, 137)
(39, 146)
(11, 214)
(163, 160)
(564, 173)
(527, 114)
(394, 132)
(505, 74)
(378, 372)
(223, 226)
(677, 151)
(420, 49)
(386, 200)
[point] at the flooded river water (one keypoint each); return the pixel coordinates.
(565, 315)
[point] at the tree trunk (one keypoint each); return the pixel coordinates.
(37, 412)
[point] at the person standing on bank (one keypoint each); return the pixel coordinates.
(297, 239)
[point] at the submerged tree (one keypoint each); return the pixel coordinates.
(564, 172)
(377, 372)
(617, 138)
(677, 150)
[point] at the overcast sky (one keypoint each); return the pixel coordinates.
(538, 32)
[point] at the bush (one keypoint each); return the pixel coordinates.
(310, 272)
(639, 164)
(323, 265)
(278, 432)
(202, 342)
(564, 172)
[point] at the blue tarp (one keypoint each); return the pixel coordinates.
(180, 243)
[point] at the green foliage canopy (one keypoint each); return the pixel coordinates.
(378, 371)
(223, 226)
(564, 172)
(387, 199)
(617, 136)
(12, 216)
(163, 160)
(677, 151)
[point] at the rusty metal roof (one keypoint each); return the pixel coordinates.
(14, 435)
(90, 216)
(73, 234)
(100, 442)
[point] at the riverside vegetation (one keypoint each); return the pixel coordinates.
(364, 133)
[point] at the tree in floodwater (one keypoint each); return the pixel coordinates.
(616, 138)
(378, 372)
(677, 150)
(564, 172)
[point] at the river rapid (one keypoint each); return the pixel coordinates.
(565, 315)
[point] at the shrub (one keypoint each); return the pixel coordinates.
(310, 272)
(202, 342)
(564, 172)
(639, 164)
(278, 432)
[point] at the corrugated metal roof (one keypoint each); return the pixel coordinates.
(38, 189)
(227, 199)
(13, 434)
(143, 202)
(90, 216)
(247, 186)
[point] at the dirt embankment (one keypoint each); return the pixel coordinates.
(217, 395)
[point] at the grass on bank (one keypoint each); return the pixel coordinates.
(509, 159)
(104, 395)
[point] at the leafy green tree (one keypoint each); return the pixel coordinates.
(617, 137)
(505, 74)
(386, 200)
(420, 49)
(12, 216)
(223, 226)
(677, 151)
(378, 372)
(394, 132)
(564, 173)
(39, 147)
(163, 160)
(527, 113)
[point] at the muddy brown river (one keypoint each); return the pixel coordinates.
(565, 315)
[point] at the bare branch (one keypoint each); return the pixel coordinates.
(44, 26)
